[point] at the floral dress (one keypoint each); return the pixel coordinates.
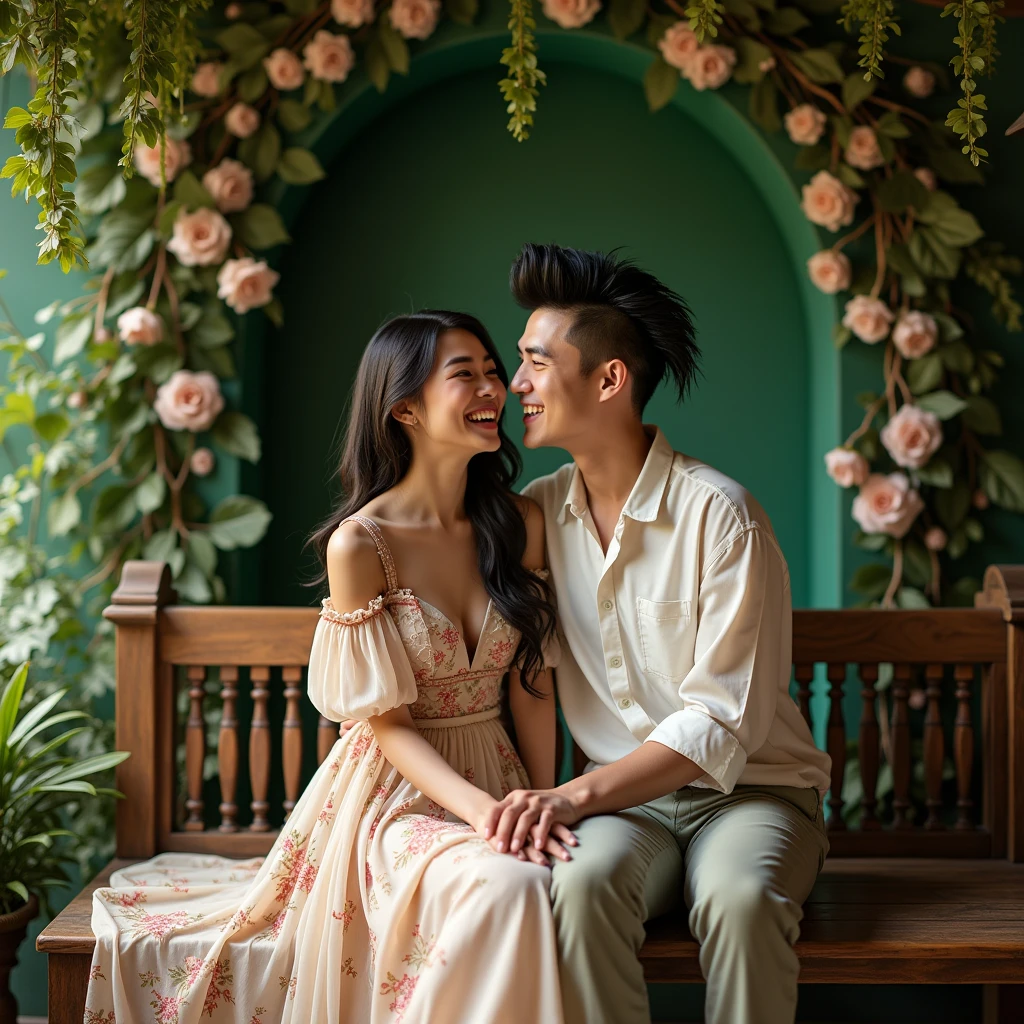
(375, 905)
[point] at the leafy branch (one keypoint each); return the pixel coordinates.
(520, 89)
(705, 17)
(877, 19)
(965, 118)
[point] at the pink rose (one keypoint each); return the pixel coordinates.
(710, 67)
(352, 13)
(202, 462)
(571, 13)
(805, 124)
(863, 151)
(284, 69)
(919, 82)
(242, 120)
(912, 436)
(829, 271)
(846, 467)
(979, 499)
(200, 238)
(887, 504)
(828, 202)
(415, 19)
(206, 80)
(766, 65)
(868, 318)
(233, 11)
(77, 400)
(189, 401)
(935, 539)
(246, 284)
(926, 176)
(177, 155)
(329, 57)
(230, 184)
(140, 326)
(678, 45)
(915, 334)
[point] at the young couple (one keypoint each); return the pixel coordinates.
(432, 872)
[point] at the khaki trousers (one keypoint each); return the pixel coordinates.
(745, 863)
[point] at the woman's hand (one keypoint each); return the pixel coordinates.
(490, 809)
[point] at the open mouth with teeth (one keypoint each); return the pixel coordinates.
(485, 419)
(531, 412)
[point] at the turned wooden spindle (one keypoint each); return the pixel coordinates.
(899, 739)
(836, 744)
(195, 748)
(227, 749)
(259, 749)
(867, 747)
(933, 747)
(291, 739)
(803, 675)
(963, 745)
(327, 733)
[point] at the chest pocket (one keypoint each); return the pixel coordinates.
(663, 626)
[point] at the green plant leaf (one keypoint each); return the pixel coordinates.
(944, 404)
(190, 193)
(819, 66)
(911, 597)
(856, 90)
(72, 335)
(952, 505)
(903, 189)
(260, 226)
(237, 435)
(626, 17)
(660, 83)
(377, 67)
(786, 21)
(252, 84)
(238, 522)
(151, 492)
(114, 509)
(293, 116)
(1001, 475)
(924, 374)
(396, 49)
(462, 12)
(261, 151)
(64, 514)
(982, 415)
(871, 580)
(299, 167)
(932, 255)
(937, 473)
(764, 105)
(202, 552)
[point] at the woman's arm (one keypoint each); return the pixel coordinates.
(534, 716)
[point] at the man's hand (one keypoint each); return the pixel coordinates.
(532, 817)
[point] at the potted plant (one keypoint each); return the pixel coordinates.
(35, 780)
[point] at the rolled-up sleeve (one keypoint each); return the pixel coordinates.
(742, 655)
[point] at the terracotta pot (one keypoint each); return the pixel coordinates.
(13, 927)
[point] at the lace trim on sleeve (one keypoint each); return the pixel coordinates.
(541, 573)
(374, 608)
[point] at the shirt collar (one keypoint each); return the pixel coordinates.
(644, 499)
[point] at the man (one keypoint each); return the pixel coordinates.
(674, 602)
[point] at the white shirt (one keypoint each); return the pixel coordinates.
(682, 632)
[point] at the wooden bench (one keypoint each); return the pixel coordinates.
(927, 886)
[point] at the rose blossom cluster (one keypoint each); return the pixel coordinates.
(417, 19)
(189, 401)
(707, 66)
(827, 202)
(869, 318)
(887, 504)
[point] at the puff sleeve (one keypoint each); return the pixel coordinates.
(358, 666)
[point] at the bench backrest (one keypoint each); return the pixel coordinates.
(939, 695)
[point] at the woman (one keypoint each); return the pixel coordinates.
(383, 898)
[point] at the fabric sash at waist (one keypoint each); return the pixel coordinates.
(458, 720)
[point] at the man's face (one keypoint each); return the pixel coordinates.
(557, 402)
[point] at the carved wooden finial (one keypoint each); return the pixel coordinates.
(145, 587)
(1003, 588)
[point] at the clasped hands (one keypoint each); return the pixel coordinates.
(531, 824)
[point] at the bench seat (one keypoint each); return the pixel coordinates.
(867, 921)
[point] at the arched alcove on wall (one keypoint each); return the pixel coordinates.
(426, 201)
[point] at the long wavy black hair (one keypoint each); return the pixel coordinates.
(376, 454)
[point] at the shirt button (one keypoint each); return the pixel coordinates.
(625, 703)
(606, 605)
(615, 662)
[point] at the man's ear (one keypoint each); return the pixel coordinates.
(404, 413)
(613, 378)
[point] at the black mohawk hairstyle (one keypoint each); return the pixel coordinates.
(620, 311)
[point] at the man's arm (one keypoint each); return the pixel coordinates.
(744, 638)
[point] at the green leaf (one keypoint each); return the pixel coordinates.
(848, 176)
(238, 522)
(911, 597)
(114, 509)
(660, 83)
(377, 67)
(924, 374)
(237, 435)
(51, 425)
(158, 362)
(856, 90)
(982, 415)
(72, 335)
(944, 404)
(19, 888)
(871, 580)
(299, 167)
(240, 38)
(950, 224)
(64, 514)
(811, 158)
(252, 84)
(192, 585)
(764, 105)
(100, 188)
(462, 12)
(890, 126)
(260, 226)
(150, 493)
(160, 546)
(818, 65)
(293, 116)
(190, 193)
(396, 49)
(903, 189)
(213, 328)
(1001, 475)
(952, 505)
(957, 356)
(932, 255)
(937, 473)
(202, 552)
(786, 21)
(626, 17)
(261, 151)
